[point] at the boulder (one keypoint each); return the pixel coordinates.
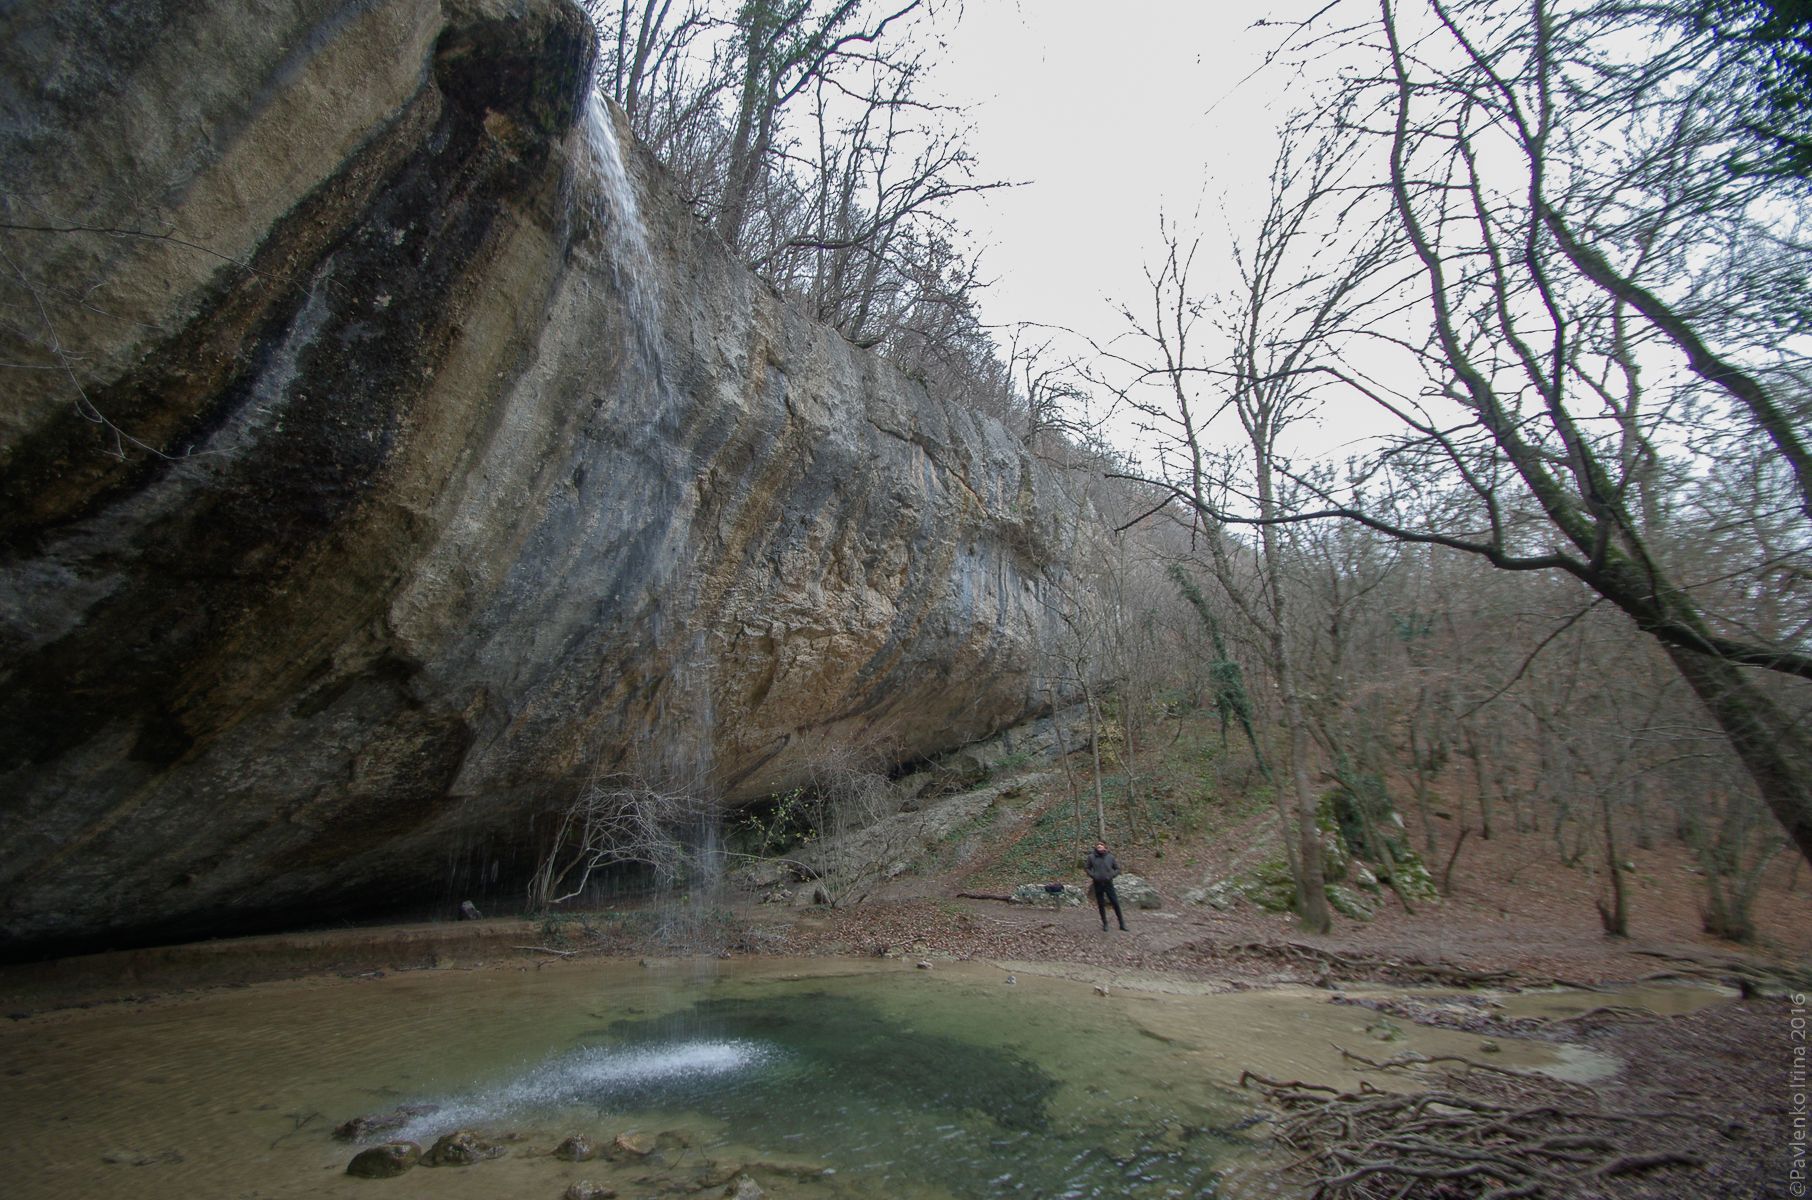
(1269, 885)
(1134, 892)
(385, 1161)
(1350, 903)
(140, 1158)
(1220, 895)
(462, 1148)
(577, 1148)
(744, 1188)
(1409, 875)
(356, 1129)
(633, 1146)
(1040, 894)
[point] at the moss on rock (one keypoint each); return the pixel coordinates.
(1349, 903)
(1411, 878)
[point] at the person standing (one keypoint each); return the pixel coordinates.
(1102, 867)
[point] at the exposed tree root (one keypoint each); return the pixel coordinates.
(1747, 976)
(1370, 1144)
(1360, 966)
(1621, 1012)
(1410, 1059)
(546, 950)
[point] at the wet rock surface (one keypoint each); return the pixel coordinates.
(577, 1148)
(384, 1162)
(426, 472)
(365, 1125)
(462, 1148)
(632, 1146)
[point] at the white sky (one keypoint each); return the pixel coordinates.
(1111, 114)
(1110, 119)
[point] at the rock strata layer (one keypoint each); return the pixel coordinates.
(384, 454)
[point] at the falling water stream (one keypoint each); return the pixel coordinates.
(606, 189)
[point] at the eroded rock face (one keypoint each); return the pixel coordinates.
(401, 457)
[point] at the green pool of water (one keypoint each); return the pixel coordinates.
(848, 1079)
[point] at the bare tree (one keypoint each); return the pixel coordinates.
(1607, 306)
(646, 62)
(841, 829)
(782, 48)
(799, 130)
(1541, 337)
(624, 818)
(1290, 303)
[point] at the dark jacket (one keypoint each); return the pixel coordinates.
(1101, 867)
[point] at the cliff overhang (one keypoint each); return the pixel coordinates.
(398, 454)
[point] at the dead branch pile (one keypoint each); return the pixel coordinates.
(1371, 1144)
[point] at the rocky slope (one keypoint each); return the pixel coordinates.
(381, 457)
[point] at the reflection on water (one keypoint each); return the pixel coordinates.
(862, 1080)
(960, 1093)
(840, 1080)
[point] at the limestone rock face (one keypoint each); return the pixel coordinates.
(396, 453)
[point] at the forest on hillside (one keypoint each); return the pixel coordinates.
(1550, 259)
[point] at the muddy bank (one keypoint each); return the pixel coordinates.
(720, 1064)
(231, 962)
(1690, 1052)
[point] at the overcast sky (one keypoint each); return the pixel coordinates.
(1112, 115)
(1108, 119)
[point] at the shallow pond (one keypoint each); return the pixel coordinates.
(945, 1083)
(834, 1079)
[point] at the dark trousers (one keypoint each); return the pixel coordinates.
(1104, 896)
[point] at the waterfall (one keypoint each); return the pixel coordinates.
(675, 760)
(617, 209)
(682, 748)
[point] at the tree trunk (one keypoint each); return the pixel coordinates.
(1616, 918)
(1476, 752)
(1094, 737)
(1645, 838)
(752, 129)
(1420, 761)
(1063, 754)
(1312, 894)
(1447, 872)
(1771, 744)
(1128, 749)
(1311, 881)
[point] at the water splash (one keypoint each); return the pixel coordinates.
(596, 1077)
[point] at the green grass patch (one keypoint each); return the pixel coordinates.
(1047, 850)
